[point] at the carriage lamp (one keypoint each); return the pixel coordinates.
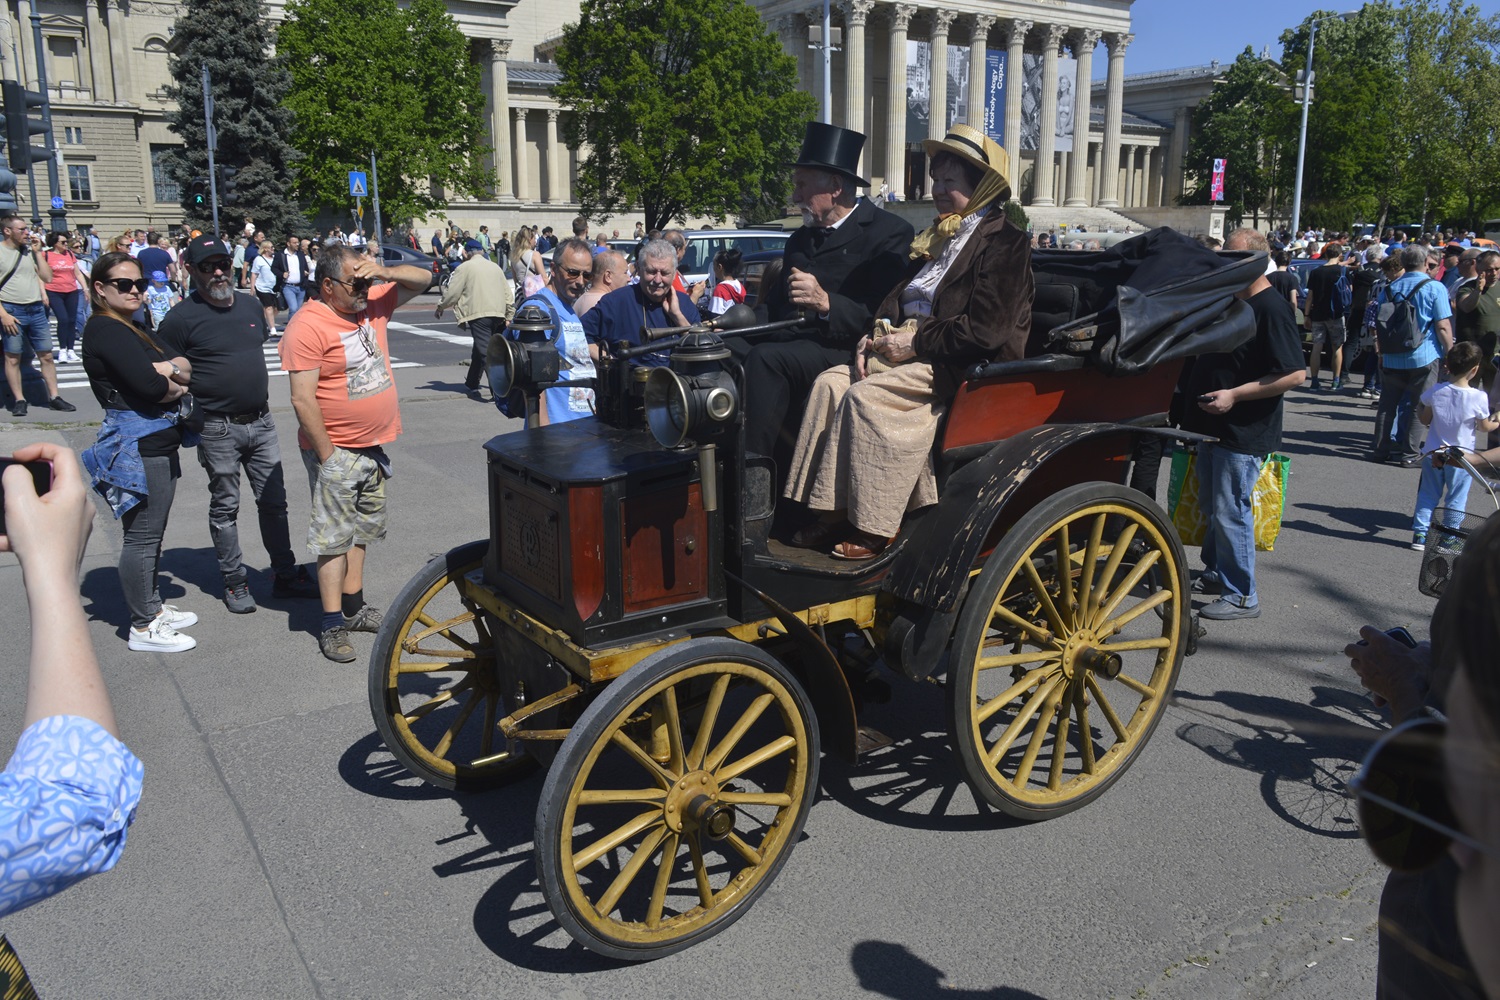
(693, 398)
(525, 356)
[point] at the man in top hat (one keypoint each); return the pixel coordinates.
(836, 270)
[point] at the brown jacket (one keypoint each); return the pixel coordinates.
(982, 309)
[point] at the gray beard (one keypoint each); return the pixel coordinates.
(219, 296)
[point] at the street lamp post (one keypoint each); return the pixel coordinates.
(1307, 87)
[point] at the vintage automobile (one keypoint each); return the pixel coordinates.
(634, 625)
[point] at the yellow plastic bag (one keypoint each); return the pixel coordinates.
(1269, 499)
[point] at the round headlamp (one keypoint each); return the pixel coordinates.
(502, 362)
(678, 407)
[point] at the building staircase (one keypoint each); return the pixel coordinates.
(1096, 220)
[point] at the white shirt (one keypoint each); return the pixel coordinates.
(293, 268)
(916, 298)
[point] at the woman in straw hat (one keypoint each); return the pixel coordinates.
(864, 454)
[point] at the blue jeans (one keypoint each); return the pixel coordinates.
(32, 326)
(223, 449)
(1451, 482)
(1226, 481)
(295, 296)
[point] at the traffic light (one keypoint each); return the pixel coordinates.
(20, 126)
(198, 192)
(228, 185)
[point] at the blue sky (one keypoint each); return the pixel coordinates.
(1173, 33)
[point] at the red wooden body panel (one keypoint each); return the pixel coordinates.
(993, 409)
(665, 547)
(586, 527)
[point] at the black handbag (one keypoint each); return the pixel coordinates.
(190, 415)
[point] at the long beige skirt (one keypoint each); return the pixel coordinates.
(866, 447)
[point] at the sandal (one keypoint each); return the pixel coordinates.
(819, 534)
(862, 546)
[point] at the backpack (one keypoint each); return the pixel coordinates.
(1343, 294)
(1397, 330)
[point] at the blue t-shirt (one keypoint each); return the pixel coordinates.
(1431, 301)
(622, 314)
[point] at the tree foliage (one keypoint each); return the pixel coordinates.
(1243, 121)
(370, 76)
(686, 107)
(233, 38)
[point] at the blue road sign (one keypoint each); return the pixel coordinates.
(359, 187)
(57, 202)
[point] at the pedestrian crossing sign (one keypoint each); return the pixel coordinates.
(359, 187)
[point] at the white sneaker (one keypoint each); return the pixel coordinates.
(73, 356)
(174, 616)
(159, 637)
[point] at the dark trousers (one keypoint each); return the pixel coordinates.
(481, 328)
(65, 308)
(225, 447)
(145, 526)
(1401, 384)
(778, 378)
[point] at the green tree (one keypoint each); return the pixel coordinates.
(686, 106)
(369, 76)
(1245, 120)
(233, 38)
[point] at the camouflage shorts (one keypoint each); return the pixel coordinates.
(348, 501)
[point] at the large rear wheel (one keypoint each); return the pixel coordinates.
(676, 799)
(1067, 650)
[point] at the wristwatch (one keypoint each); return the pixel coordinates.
(175, 369)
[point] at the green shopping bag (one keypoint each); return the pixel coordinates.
(1269, 499)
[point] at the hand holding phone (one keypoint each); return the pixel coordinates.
(48, 515)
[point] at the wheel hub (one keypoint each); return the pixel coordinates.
(1081, 653)
(693, 804)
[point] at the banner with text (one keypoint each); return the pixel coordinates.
(994, 96)
(1216, 187)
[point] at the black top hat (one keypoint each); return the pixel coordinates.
(828, 147)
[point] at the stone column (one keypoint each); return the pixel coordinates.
(498, 49)
(98, 43)
(523, 181)
(937, 93)
(1083, 88)
(119, 52)
(1042, 197)
(555, 158)
(1015, 45)
(978, 53)
(855, 14)
(1151, 172)
(895, 126)
(1182, 124)
(1114, 103)
(1130, 175)
(1094, 152)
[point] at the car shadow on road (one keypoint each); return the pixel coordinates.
(1305, 757)
(892, 970)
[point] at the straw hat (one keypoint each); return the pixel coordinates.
(973, 146)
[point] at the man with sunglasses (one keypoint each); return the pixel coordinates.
(572, 263)
(23, 271)
(344, 393)
(481, 298)
(222, 334)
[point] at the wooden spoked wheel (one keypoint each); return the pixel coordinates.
(1067, 650)
(435, 684)
(676, 799)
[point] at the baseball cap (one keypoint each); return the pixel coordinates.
(158, 275)
(473, 245)
(201, 248)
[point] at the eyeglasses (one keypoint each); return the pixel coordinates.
(126, 285)
(212, 264)
(573, 273)
(1404, 812)
(358, 286)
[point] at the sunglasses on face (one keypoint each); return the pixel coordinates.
(212, 265)
(1404, 812)
(573, 273)
(358, 286)
(126, 285)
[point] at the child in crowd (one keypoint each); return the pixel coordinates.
(1453, 412)
(160, 298)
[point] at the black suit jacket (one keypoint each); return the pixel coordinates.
(278, 267)
(857, 264)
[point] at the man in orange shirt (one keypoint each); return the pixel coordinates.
(336, 354)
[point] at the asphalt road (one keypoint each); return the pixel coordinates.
(280, 852)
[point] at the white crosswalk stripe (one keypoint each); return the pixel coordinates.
(71, 375)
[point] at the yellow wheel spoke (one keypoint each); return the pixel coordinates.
(777, 746)
(1120, 621)
(466, 710)
(998, 702)
(408, 667)
(638, 860)
(743, 849)
(1161, 642)
(1127, 585)
(1112, 565)
(1109, 712)
(1016, 621)
(642, 758)
(438, 700)
(1019, 722)
(1040, 590)
(614, 796)
(664, 870)
(706, 725)
(610, 841)
(1039, 735)
(1085, 737)
(1059, 747)
(1144, 690)
(779, 799)
(444, 629)
(673, 723)
(700, 873)
(727, 744)
(1065, 576)
(1090, 563)
(1015, 659)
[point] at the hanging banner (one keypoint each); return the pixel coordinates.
(1216, 186)
(1067, 105)
(994, 96)
(1031, 103)
(918, 80)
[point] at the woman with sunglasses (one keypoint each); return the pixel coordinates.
(133, 462)
(63, 295)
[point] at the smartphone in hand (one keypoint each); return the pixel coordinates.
(41, 477)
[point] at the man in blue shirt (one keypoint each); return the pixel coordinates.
(1406, 375)
(571, 265)
(652, 302)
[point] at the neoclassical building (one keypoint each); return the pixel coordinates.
(900, 73)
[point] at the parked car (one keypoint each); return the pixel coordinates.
(702, 244)
(394, 254)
